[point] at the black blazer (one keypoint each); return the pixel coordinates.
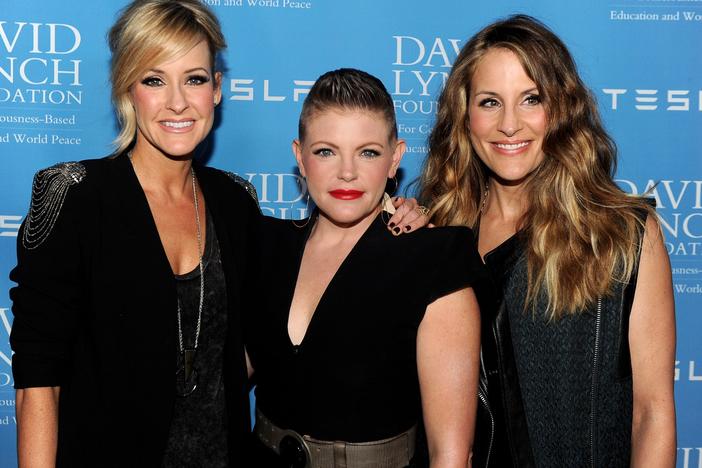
(95, 314)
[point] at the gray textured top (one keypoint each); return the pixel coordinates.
(578, 408)
(198, 429)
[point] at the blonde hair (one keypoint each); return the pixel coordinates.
(149, 32)
(582, 231)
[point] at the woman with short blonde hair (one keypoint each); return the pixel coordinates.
(127, 337)
(128, 350)
(150, 32)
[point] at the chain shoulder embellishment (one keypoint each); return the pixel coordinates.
(248, 186)
(49, 190)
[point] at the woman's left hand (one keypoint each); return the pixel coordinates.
(409, 216)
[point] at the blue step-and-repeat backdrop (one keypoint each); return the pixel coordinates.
(641, 58)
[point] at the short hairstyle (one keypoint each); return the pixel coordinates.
(348, 88)
(148, 32)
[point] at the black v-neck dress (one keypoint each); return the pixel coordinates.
(354, 375)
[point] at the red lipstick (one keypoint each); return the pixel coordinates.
(346, 194)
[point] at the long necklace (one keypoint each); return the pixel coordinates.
(186, 375)
(485, 197)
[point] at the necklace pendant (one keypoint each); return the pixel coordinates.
(188, 360)
(186, 375)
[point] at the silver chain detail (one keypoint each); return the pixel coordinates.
(202, 268)
(248, 186)
(49, 190)
(202, 272)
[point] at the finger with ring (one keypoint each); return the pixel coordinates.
(422, 210)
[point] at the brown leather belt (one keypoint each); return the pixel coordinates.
(302, 451)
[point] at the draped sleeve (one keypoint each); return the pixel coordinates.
(453, 263)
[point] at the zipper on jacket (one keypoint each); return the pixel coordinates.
(595, 361)
(482, 396)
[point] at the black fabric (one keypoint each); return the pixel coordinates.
(553, 404)
(94, 314)
(501, 436)
(354, 376)
(569, 396)
(198, 433)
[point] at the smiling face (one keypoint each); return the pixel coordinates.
(347, 156)
(507, 119)
(174, 103)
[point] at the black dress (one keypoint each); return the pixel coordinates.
(354, 375)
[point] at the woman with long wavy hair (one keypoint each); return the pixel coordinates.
(578, 334)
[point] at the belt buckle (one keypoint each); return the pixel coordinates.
(293, 449)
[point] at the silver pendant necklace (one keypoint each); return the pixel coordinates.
(186, 375)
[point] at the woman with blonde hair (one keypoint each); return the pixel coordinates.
(578, 318)
(128, 271)
(127, 335)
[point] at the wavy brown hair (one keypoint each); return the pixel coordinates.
(582, 231)
(148, 32)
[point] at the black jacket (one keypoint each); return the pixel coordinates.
(94, 312)
(501, 435)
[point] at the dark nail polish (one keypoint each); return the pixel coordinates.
(392, 225)
(407, 228)
(396, 230)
